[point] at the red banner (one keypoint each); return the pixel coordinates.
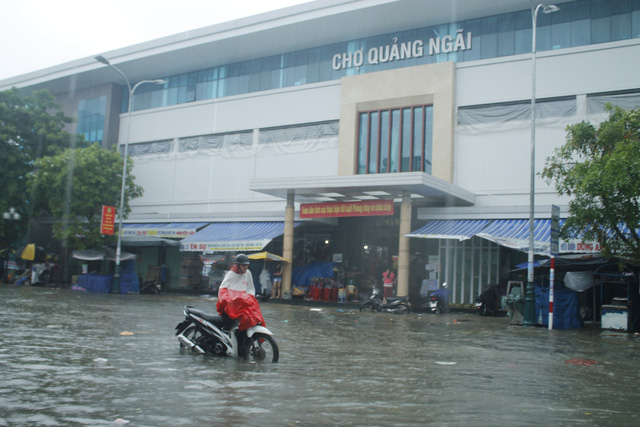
(107, 224)
(365, 208)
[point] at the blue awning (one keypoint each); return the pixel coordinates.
(514, 233)
(166, 230)
(511, 233)
(233, 236)
(450, 229)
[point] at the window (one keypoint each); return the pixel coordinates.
(91, 114)
(395, 140)
(577, 23)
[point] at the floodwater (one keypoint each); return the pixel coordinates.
(71, 358)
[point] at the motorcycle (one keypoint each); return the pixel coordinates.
(218, 335)
(392, 305)
(439, 300)
(488, 302)
(40, 274)
(151, 287)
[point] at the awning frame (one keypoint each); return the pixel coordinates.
(233, 237)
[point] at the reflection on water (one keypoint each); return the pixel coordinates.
(71, 358)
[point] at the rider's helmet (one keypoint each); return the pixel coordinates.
(242, 259)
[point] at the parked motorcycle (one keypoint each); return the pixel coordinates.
(40, 274)
(217, 335)
(392, 305)
(488, 302)
(151, 287)
(439, 300)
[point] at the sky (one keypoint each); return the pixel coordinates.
(36, 34)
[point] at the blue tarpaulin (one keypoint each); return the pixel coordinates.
(301, 276)
(129, 282)
(566, 312)
(103, 283)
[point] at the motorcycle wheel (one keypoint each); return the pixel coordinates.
(261, 348)
(194, 335)
(483, 310)
(366, 307)
(404, 309)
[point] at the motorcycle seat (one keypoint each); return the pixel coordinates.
(214, 318)
(394, 299)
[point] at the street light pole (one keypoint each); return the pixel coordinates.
(116, 275)
(529, 302)
(10, 215)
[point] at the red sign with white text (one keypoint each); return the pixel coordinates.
(338, 209)
(107, 225)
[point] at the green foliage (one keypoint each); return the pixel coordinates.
(30, 127)
(74, 185)
(600, 170)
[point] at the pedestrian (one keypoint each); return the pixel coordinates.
(266, 286)
(388, 280)
(277, 282)
(237, 295)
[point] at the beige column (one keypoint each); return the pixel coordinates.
(287, 246)
(404, 256)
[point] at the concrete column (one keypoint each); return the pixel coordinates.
(403, 245)
(287, 246)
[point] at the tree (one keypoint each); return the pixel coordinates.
(74, 185)
(600, 170)
(30, 127)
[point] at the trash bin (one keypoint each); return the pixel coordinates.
(514, 303)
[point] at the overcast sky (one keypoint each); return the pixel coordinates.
(36, 34)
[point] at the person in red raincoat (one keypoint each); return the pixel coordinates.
(237, 295)
(388, 281)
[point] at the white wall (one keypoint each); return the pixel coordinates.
(590, 69)
(215, 185)
(493, 160)
(304, 104)
(493, 163)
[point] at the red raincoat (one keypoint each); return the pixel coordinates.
(239, 305)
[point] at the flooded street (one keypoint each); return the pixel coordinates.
(73, 358)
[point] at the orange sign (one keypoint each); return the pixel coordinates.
(365, 208)
(107, 224)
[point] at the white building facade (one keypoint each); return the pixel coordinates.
(423, 104)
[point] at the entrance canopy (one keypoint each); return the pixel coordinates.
(350, 188)
(233, 236)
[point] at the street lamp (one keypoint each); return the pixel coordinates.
(105, 61)
(529, 302)
(10, 215)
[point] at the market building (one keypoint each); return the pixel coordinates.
(368, 133)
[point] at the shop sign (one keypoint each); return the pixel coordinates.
(576, 246)
(157, 232)
(340, 209)
(241, 245)
(149, 232)
(175, 233)
(400, 51)
(555, 230)
(108, 221)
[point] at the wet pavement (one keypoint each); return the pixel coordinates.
(71, 358)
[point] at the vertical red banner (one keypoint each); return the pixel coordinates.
(107, 224)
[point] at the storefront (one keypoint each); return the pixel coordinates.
(419, 107)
